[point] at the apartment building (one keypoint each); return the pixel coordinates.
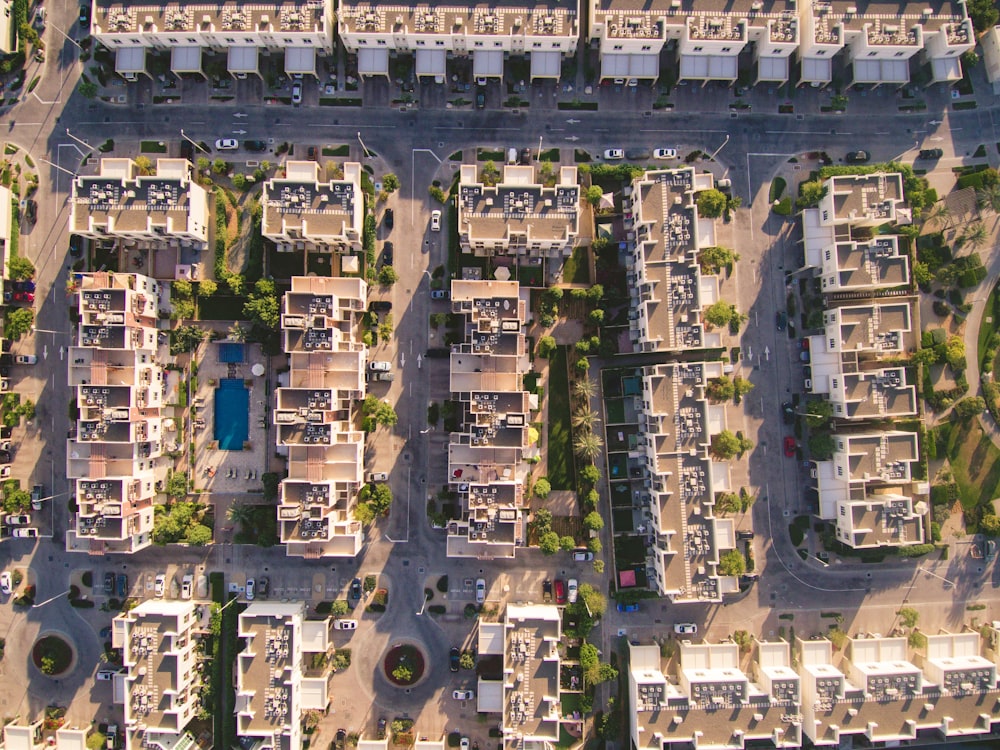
(667, 289)
(545, 33)
(314, 416)
(527, 696)
(872, 695)
(990, 42)
(8, 34)
(704, 42)
(6, 227)
(121, 430)
(879, 329)
(873, 394)
(867, 489)
(243, 31)
(275, 679)
(306, 211)
(161, 680)
(848, 264)
(878, 42)
(167, 207)
(684, 537)
(486, 455)
(521, 216)
(30, 735)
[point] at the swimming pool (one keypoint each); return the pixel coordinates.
(232, 414)
(232, 352)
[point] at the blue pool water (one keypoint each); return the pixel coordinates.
(232, 414)
(232, 353)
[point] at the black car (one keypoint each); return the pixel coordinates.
(109, 584)
(380, 735)
(380, 305)
(787, 413)
(340, 741)
(311, 153)
(122, 586)
(6, 457)
(23, 286)
(453, 658)
(30, 210)
(356, 588)
(387, 254)
(255, 145)
(781, 320)
(930, 153)
(263, 584)
(480, 98)
(637, 153)
(388, 219)
(76, 246)
(438, 352)
(858, 157)
(546, 590)
(85, 15)
(525, 156)
(744, 535)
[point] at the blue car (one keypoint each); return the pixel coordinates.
(122, 585)
(23, 286)
(623, 607)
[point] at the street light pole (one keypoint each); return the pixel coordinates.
(51, 599)
(539, 157)
(81, 142)
(193, 143)
(367, 152)
(64, 36)
(714, 153)
(61, 169)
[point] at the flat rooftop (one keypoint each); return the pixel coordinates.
(232, 17)
(548, 18)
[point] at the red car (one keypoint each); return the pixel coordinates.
(789, 446)
(560, 587)
(24, 297)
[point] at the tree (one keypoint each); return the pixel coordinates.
(976, 234)
(567, 543)
(711, 203)
(720, 313)
(207, 288)
(732, 563)
(593, 521)
(720, 388)
(595, 293)
(596, 317)
(988, 199)
(922, 274)
(725, 445)
(742, 386)
(143, 164)
(87, 89)
(20, 268)
(714, 259)
(821, 445)
(605, 673)
(589, 657)
(593, 195)
(239, 181)
(203, 164)
(240, 513)
(585, 418)
(543, 518)
(582, 366)
(593, 599)
(177, 485)
(908, 616)
(954, 353)
(590, 474)
(546, 345)
(402, 674)
(379, 498)
(818, 412)
(938, 213)
(390, 183)
(548, 543)
(387, 276)
(594, 545)
(385, 328)
(584, 388)
(19, 322)
(587, 445)
(970, 407)
(466, 660)
(262, 307)
(552, 295)
(990, 525)
(542, 488)
(984, 14)
(198, 535)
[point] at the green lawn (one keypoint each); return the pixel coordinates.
(975, 461)
(987, 327)
(576, 269)
(221, 307)
(561, 471)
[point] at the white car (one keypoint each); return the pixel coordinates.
(685, 628)
(571, 590)
(6, 583)
(380, 366)
(105, 674)
(227, 144)
(186, 582)
(582, 556)
(251, 590)
(463, 695)
(480, 590)
(613, 154)
(160, 584)
(26, 359)
(664, 153)
(435, 221)
(23, 533)
(378, 476)
(464, 744)
(297, 93)
(345, 624)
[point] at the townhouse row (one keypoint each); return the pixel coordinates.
(778, 40)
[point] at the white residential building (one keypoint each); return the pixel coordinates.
(546, 32)
(305, 211)
(990, 42)
(121, 431)
(298, 29)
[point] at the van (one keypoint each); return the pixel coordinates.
(112, 736)
(512, 155)
(186, 582)
(724, 183)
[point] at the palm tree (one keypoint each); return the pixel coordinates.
(976, 235)
(584, 389)
(240, 513)
(585, 418)
(988, 199)
(587, 445)
(939, 213)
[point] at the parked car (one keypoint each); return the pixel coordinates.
(781, 320)
(664, 153)
(23, 532)
(858, 157)
(463, 744)
(382, 376)
(463, 695)
(345, 624)
(435, 220)
(251, 589)
(614, 154)
(480, 590)
(454, 655)
(109, 584)
(263, 584)
(388, 219)
(546, 590)
(789, 446)
(685, 628)
(85, 16)
(22, 519)
(380, 731)
(23, 297)
(628, 607)
(297, 92)
(378, 476)
(75, 246)
(37, 495)
(255, 145)
(637, 154)
(480, 98)
(340, 740)
(6, 583)
(930, 153)
(106, 674)
(380, 306)
(787, 413)
(122, 587)
(744, 535)
(582, 556)
(26, 359)
(311, 153)
(23, 286)
(439, 294)
(356, 590)
(379, 366)
(112, 736)
(160, 584)
(387, 252)
(6, 456)
(227, 144)
(560, 591)
(186, 582)
(571, 590)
